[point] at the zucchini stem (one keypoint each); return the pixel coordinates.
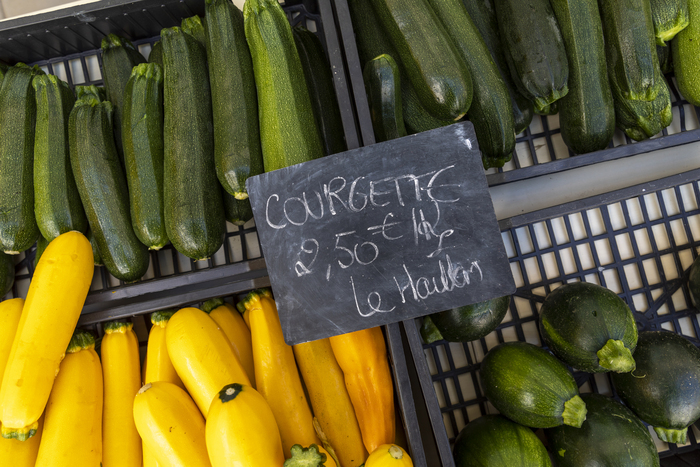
(614, 356)
(574, 412)
(671, 435)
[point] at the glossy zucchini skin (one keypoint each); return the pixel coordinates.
(142, 140)
(57, 205)
(669, 17)
(471, 322)
(686, 49)
(611, 435)
(490, 111)
(103, 189)
(383, 86)
(630, 49)
(237, 151)
(586, 113)
(664, 390)
(194, 212)
(439, 76)
(495, 441)
(530, 386)
(18, 228)
(534, 49)
(237, 211)
(641, 119)
(7, 273)
(579, 319)
(95, 252)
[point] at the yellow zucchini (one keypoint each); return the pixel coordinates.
(10, 313)
(73, 421)
(15, 453)
(121, 444)
(54, 301)
(202, 356)
(362, 357)
(170, 425)
(160, 367)
(241, 429)
(235, 328)
(389, 455)
(325, 385)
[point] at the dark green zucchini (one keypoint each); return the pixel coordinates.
(237, 151)
(490, 112)
(383, 86)
(495, 441)
(665, 59)
(694, 282)
(630, 49)
(611, 435)
(664, 390)
(531, 387)
(439, 76)
(156, 55)
(586, 113)
(237, 211)
(41, 245)
(57, 204)
(7, 273)
(103, 190)
(142, 135)
(483, 15)
(670, 17)
(640, 119)
(194, 211)
(534, 49)
(468, 323)
(95, 252)
(18, 228)
(194, 26)
(589, 328)
(119, 56)
(319, 82)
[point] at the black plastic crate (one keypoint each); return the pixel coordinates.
(539, 150)
(638, 241)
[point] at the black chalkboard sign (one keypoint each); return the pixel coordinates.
(380, 234)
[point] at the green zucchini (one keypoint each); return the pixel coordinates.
(288, 131)
(640, 119)
(439, 76)
(18, 228)
(534, 49)
(611, 435)
(495, 441)
(490, 112)
(142, 138)
(237, 150)
(383, 86)
(429, 332)
(98, 92)
(694, 282)
(531, 387)
(194, 211)
(586, 113)
(103, 190)
(589, 328)
(468, 323)
(41, 245)
(57, 205)
(156, 55)
(670, 17)
(483, 15)
(630, 49)
(319, 81)
(664, 390)
(119, 56)
(7, 273)
(665, 59)
(194, 26)
(95, 252)
(686, 50)
(237, 211)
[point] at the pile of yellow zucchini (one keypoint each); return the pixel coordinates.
(218, 387)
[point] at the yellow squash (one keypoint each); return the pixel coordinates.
(15, 453)
(241, 430)
(73, 421)
(325, 384)
(362, 357)
(202, 356)
(232, 324)
(170, 425)
(10, 313)
(55, 299)
(121, 443)
(389, 455)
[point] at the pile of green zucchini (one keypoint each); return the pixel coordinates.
(162, 152)
(598, 63)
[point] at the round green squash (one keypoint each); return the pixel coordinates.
(589, 327)
(611, 435)
(664, 390)
(495, 441)
(531, 387)
(7, 273)
(466, 323)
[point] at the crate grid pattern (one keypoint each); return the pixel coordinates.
(641, 248)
